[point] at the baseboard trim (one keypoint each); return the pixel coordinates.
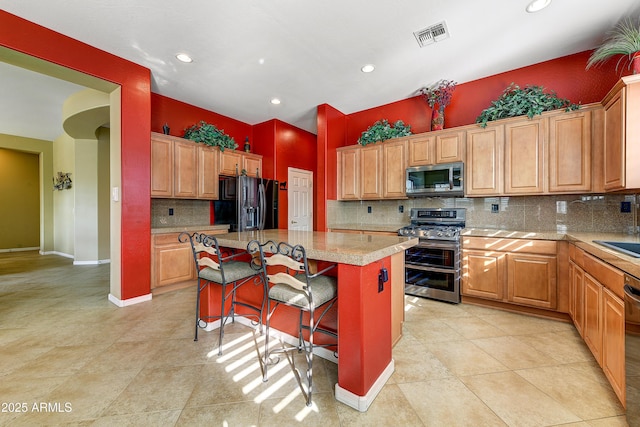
(35, 248)
(92, 262)
(362, 403)
(131, 301)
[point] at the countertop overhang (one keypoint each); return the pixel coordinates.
(343, 248)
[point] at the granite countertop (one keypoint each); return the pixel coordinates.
(189, 228)
(391, 228)
(344, 248)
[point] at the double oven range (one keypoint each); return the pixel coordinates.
(432, 268)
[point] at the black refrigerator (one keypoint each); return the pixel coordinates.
(247, 203)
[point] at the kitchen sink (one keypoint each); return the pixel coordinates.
(628, 248)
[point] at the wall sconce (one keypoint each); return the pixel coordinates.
(283, 185)
(62, 181)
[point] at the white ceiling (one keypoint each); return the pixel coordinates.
(305, 53)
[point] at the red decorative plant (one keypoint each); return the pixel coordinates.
(439, 94)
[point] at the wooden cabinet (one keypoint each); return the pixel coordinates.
(394, 166)
(613, 344)
(183, 169)
(517, 271)
(531, 279)
(598, 313)
(570, 152)
(484, 169)
(483, 274)
(372, 172)
(524, 157)
(161, 166)
(349, 173)
(436, 147)
(171, 261)
(233, 163)
(621, 131)
(207, 172)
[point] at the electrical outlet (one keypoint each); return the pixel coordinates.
(494, 208)
(368, 209)
(170, 211)
(625, 207)
(401, 209)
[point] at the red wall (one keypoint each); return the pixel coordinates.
(180, 116)
(566, 76)
(26, 37)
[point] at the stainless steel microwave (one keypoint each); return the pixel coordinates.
(446, 179)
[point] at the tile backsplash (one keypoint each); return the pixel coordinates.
(185, 212)
(587, 213)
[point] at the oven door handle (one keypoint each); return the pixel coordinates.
(450, 245)
(434, 269)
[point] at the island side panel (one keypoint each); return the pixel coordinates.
(364, 326)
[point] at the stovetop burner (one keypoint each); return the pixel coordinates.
(435, 223)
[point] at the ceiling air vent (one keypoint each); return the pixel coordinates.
(431, 34)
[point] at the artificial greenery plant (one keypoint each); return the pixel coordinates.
(208, 134)
(383, 130)
(530, 101)
(623, 40)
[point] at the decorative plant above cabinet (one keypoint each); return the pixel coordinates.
(530, 101)
(208, 134)
(623, 40)
(383, 130)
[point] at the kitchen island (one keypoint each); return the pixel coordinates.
(364, 311)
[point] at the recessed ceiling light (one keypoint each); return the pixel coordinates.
(537, 5)
(184, 57)
(367, 68)
(275, 101)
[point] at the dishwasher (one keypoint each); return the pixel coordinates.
(632, 348)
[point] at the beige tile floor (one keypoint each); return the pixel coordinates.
(69, 357)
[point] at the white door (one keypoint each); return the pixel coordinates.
(300, 198)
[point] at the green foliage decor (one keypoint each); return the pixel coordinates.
(208, 134)
(383, 130)
(623, 40)
(530, 101)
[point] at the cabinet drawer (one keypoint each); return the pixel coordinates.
(166, 239)
(608, 276)
(543, 247)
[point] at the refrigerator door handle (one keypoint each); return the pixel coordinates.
(261, 206)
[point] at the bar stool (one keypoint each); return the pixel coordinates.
(298, 288)
(229, 274)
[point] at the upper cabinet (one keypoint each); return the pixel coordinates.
(436, 147)
(621, 133)
(184, 169)
(546, 155)
(375, 171)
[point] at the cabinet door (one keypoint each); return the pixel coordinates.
(161, 166)
(484, 168)
(230, 162)
(185, 172)
(577, 298)
(371, 172)
(531, 280)
(252, 164)
(349, 174)
(613, 356)
(394, 169)
(523, 157)
(592, 319)
(449, 147)
(570, 152)
(422, 150)
(483, 274)
(171, 261)
(614, 144)
(207, 172)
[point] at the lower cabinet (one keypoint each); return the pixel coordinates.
(598, 314)
(517, 271)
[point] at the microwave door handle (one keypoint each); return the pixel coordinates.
(450, 178)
